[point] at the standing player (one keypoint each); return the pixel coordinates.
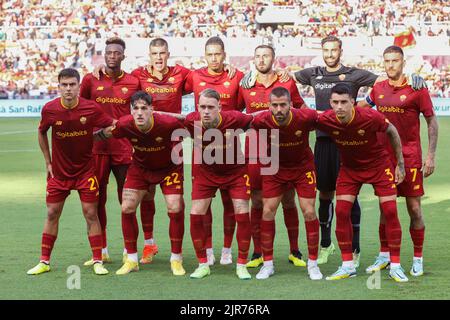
(296, 169)
(215, 77)
(364, 159)
(209, 176)
(322, 80)
(152, 164)
(258, 99)
(71, 165)
(402, 107)
(112, 92)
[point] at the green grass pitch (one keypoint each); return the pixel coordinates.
(22, 214)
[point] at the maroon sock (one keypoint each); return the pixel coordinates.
(291, 222)
(384, 247)
(198, 237)
(417, 236)
(48, 241)
(267, 238)
(96, 247)
(312, 237)
(101, 212)
(207, 223)
(130, 231)
(147, 217)
(393, 229)
(243, 235)
(344, 231)
(255, 221)
(176, 231)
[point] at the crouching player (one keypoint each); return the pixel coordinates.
(296, 169)
(71, 165)
(364, 159)
(151, 137)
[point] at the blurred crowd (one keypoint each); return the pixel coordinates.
(28, 64)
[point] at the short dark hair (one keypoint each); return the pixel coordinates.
(391, 49)
(280, 92)
(342, 88)
(265, 46)
(331, 39)
(116, 40)
(159, 42)
(210, 93)
(68, 73)
(141, 95)
(215, 41)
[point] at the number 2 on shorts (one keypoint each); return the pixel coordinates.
(94, 183)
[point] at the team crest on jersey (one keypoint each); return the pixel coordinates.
(100, 88)
(253, 93)
(361, 132)
(159, 139)
(381, 96)
(58, 123)
(336, 133)
(402, 98)
(202, 84)
(124, 90)
(226, 83)
(134, 140)
(171, 79)
(149, 80)
(342, 77)
(83, 120)
(298, 133)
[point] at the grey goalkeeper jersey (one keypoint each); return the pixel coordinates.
(323, 81)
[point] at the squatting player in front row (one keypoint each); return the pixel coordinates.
(71, 165)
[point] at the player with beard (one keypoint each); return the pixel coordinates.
(253, 100)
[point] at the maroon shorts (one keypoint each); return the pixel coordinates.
(170, 180)
(350, 181)
(412, 186)
(104, 162)
(254, 172)
(302, 179)
(205, 184)
(86, 185)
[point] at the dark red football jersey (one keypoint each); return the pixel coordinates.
(229, 122)
(402, 106)
(114, 99)
(167, 92)
(201, 79)
(293, 145)
(358, 141)
(258, 98)
(72, 135)
(152, 149)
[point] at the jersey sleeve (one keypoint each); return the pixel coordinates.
(85, 87)
(365, 78)
(245, 120)
(189, 122)
(324, 123)
(258, 121)
(189, 83)
(136, 72)
(425, 103)
(241, 100)
(118, 129)
(304, 76)
(379, 121)
(297, 100)
(46, 121)
(101, 119)
(311, 118)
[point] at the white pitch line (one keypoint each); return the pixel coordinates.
(16, 132)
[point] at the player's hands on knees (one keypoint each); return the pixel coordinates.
(399, 174)
(428, 167)
(283, 75)
(230, 69)
(416, 82)
(99, 69)
(49, 170)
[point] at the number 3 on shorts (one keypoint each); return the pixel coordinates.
(94, 183)
(389, 174)
(247, 180)
(311, 177)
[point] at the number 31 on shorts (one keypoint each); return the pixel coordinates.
(311, 175)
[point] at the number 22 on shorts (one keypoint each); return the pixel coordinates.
(174, 177)
(94, 183)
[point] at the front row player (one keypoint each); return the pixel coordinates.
(71, 165)
(364, 160)
(296, 169)
(402, 107)
(150, 135)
